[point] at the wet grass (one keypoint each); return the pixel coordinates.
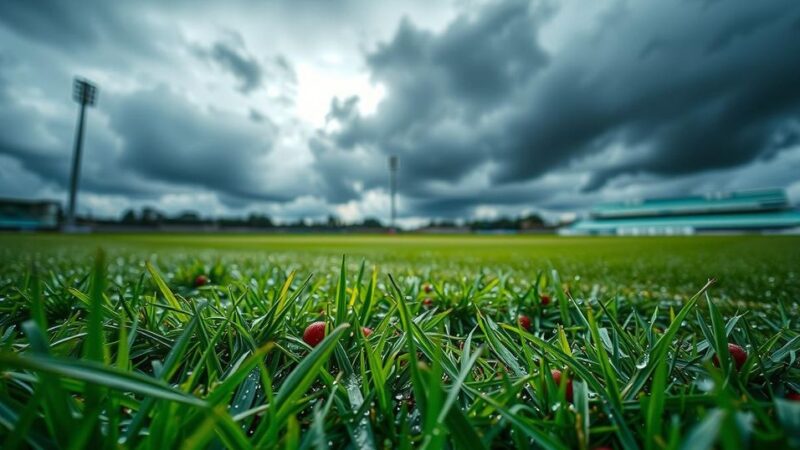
(121, 349)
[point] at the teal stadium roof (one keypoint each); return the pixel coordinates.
(738, 211)
(705, 222)
(773, 199)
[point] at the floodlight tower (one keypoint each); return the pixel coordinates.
(85, 93)
(393, 163)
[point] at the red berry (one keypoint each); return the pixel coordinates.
(201, 280)
(544, 299)
(524, 321)
(427, 288)
(556, 374)
(738, 354)
(314, 333)
(427, 302)
(367, 331)
(793, 396)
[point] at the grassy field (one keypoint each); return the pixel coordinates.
(197, 341)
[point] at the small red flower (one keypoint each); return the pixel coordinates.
(427, 302)
(314, 333)
(556, 374)
(201, 280)
(524, 321)
(738, 354)
(544, 299)
(367, 331)
(427, 288)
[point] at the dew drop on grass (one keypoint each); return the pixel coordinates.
(643, 361)
(705, 384)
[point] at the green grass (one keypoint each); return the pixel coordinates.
(119, 349)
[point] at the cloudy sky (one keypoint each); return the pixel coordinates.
(291, 108)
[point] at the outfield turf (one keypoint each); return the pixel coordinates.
(102, 350)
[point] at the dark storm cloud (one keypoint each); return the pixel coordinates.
(256, 116)
(440, 87)
(38, 135)
(87, 29)
(681, 87)
(24, 137)
(479, 61)
(242, 66)
(156, 141)
(52, 21)
(713, 95)
(140, 143)
(43, 146)
(231, 55)
(52, 165)
(165, 138)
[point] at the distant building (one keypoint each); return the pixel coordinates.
(29, 215)
(434, 229)
(752, 211)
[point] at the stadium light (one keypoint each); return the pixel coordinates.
(84, 93)
(393, 163)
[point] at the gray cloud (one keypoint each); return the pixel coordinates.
(168, 139)
(441, 89)
(43, 146)
(242, 66)
(256, 116)
(715, 88)
(251, 73)
(155, 142)
(54, 21)
(91, 30)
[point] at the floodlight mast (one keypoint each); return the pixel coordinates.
(84, 93)
(393, 163)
